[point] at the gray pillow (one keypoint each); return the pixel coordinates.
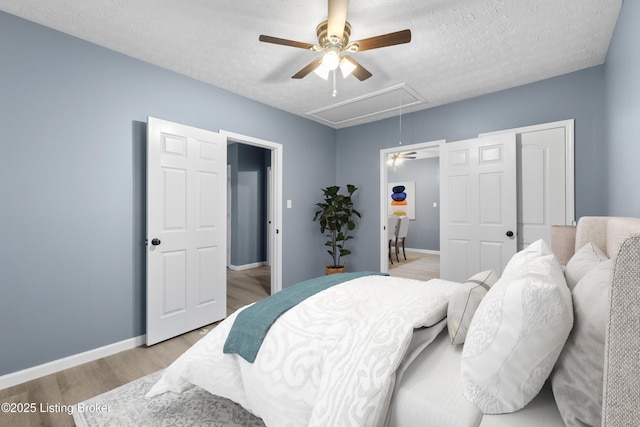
(581, 262)
(464, 302)
(578, 376)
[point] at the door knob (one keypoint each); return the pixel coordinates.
(155, 242)
(509, 234)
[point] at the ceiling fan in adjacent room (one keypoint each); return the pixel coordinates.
(394, 159)
(333, 41)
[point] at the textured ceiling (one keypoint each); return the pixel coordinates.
(459, 48)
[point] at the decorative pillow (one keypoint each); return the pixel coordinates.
(517, 333)
(578, 377)
(535, 258)
(464, 302)
(581, 262)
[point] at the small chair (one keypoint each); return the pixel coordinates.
(403, 230)
(392, 230)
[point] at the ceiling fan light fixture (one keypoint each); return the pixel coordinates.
(347, 67)
(322, 72)
(394, 159)
(331, 59)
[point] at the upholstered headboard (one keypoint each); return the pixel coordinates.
(621, 397)
(620, 239)
(606, 232)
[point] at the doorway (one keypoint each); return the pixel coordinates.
(247, 208)
(426, 150)
(272, 193)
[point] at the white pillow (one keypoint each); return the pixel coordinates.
(517, 333)
(464, 302)
(535, 258)
(582, 262)
(578, 376)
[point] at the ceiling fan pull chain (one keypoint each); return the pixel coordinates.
(400, 140)
(335, 92)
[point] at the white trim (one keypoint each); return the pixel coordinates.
(19, 377)
(568, 125)
(276, 167)
(229, 198)
(422, 251)
(246, 266)
(270, 214)
(384, 258)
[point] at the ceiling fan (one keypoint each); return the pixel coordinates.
(394, 159)
(333, 40)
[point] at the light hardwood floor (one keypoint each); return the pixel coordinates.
(82, 382)
(421, 266)
(77, 384)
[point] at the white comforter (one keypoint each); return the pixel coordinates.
(332, 360)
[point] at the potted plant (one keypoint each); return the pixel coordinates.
(336, 216)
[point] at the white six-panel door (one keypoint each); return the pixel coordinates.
(186, 229)
(546, 179)
(478, 217)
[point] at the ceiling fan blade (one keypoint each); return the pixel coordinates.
(410, 153)
(391, 39)
(285, 42)
(360, 72)
(337, 18)
(307, 69)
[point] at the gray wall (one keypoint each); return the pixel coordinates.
(72, 186)
(424, 230)
(579, 96)
(622, 70)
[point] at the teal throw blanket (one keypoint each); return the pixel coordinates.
(253, 323)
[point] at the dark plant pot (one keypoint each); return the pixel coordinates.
(333, 269)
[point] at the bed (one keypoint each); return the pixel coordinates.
(373, 350)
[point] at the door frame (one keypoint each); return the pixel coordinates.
(275, 230)
(229, 198)
(270, 213)
(568, 125)
(384, 153)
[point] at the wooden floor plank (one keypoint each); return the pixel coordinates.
(82, 382)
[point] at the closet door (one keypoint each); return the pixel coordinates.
(478, 196)
(545, 179)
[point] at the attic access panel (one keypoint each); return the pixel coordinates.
(368, 106)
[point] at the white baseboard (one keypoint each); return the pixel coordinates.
(19, 377)
(423, 251)
(246, 266)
